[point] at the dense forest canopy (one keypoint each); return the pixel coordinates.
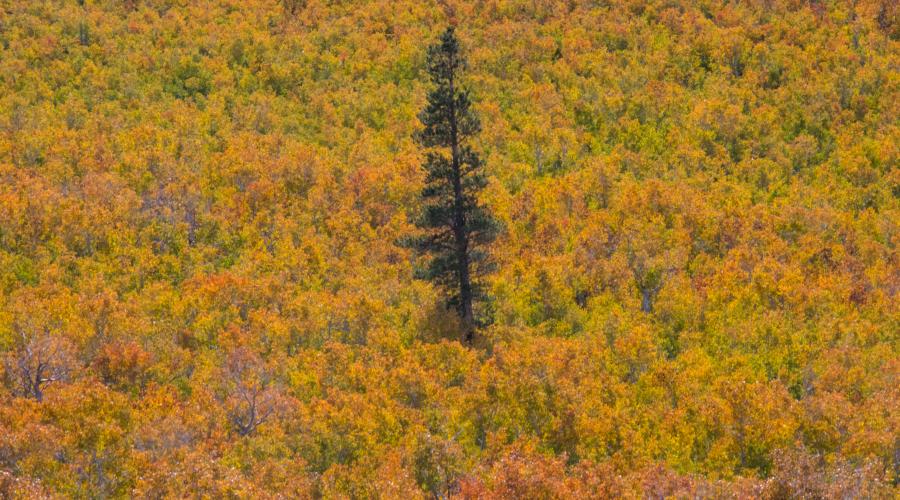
(696, 285)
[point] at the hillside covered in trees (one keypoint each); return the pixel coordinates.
(694, 279)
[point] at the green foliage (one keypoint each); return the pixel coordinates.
(189, 80)
(457, 226)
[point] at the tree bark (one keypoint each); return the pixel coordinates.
(459, 230)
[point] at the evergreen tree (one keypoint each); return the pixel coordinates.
(456, 228)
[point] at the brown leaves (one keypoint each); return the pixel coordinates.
(122, 364)
(800, 474)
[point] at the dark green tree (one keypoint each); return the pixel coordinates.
(456, 227)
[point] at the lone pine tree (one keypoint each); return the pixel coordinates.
(456, 228)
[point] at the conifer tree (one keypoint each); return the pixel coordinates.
(456, 227)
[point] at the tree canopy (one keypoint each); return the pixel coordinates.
(457, 227)
(696, 291)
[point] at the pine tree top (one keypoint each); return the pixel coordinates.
(445, 58)
(448, 111)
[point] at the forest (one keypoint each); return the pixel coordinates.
(652, 252)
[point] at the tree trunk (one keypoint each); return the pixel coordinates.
(466, 313)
